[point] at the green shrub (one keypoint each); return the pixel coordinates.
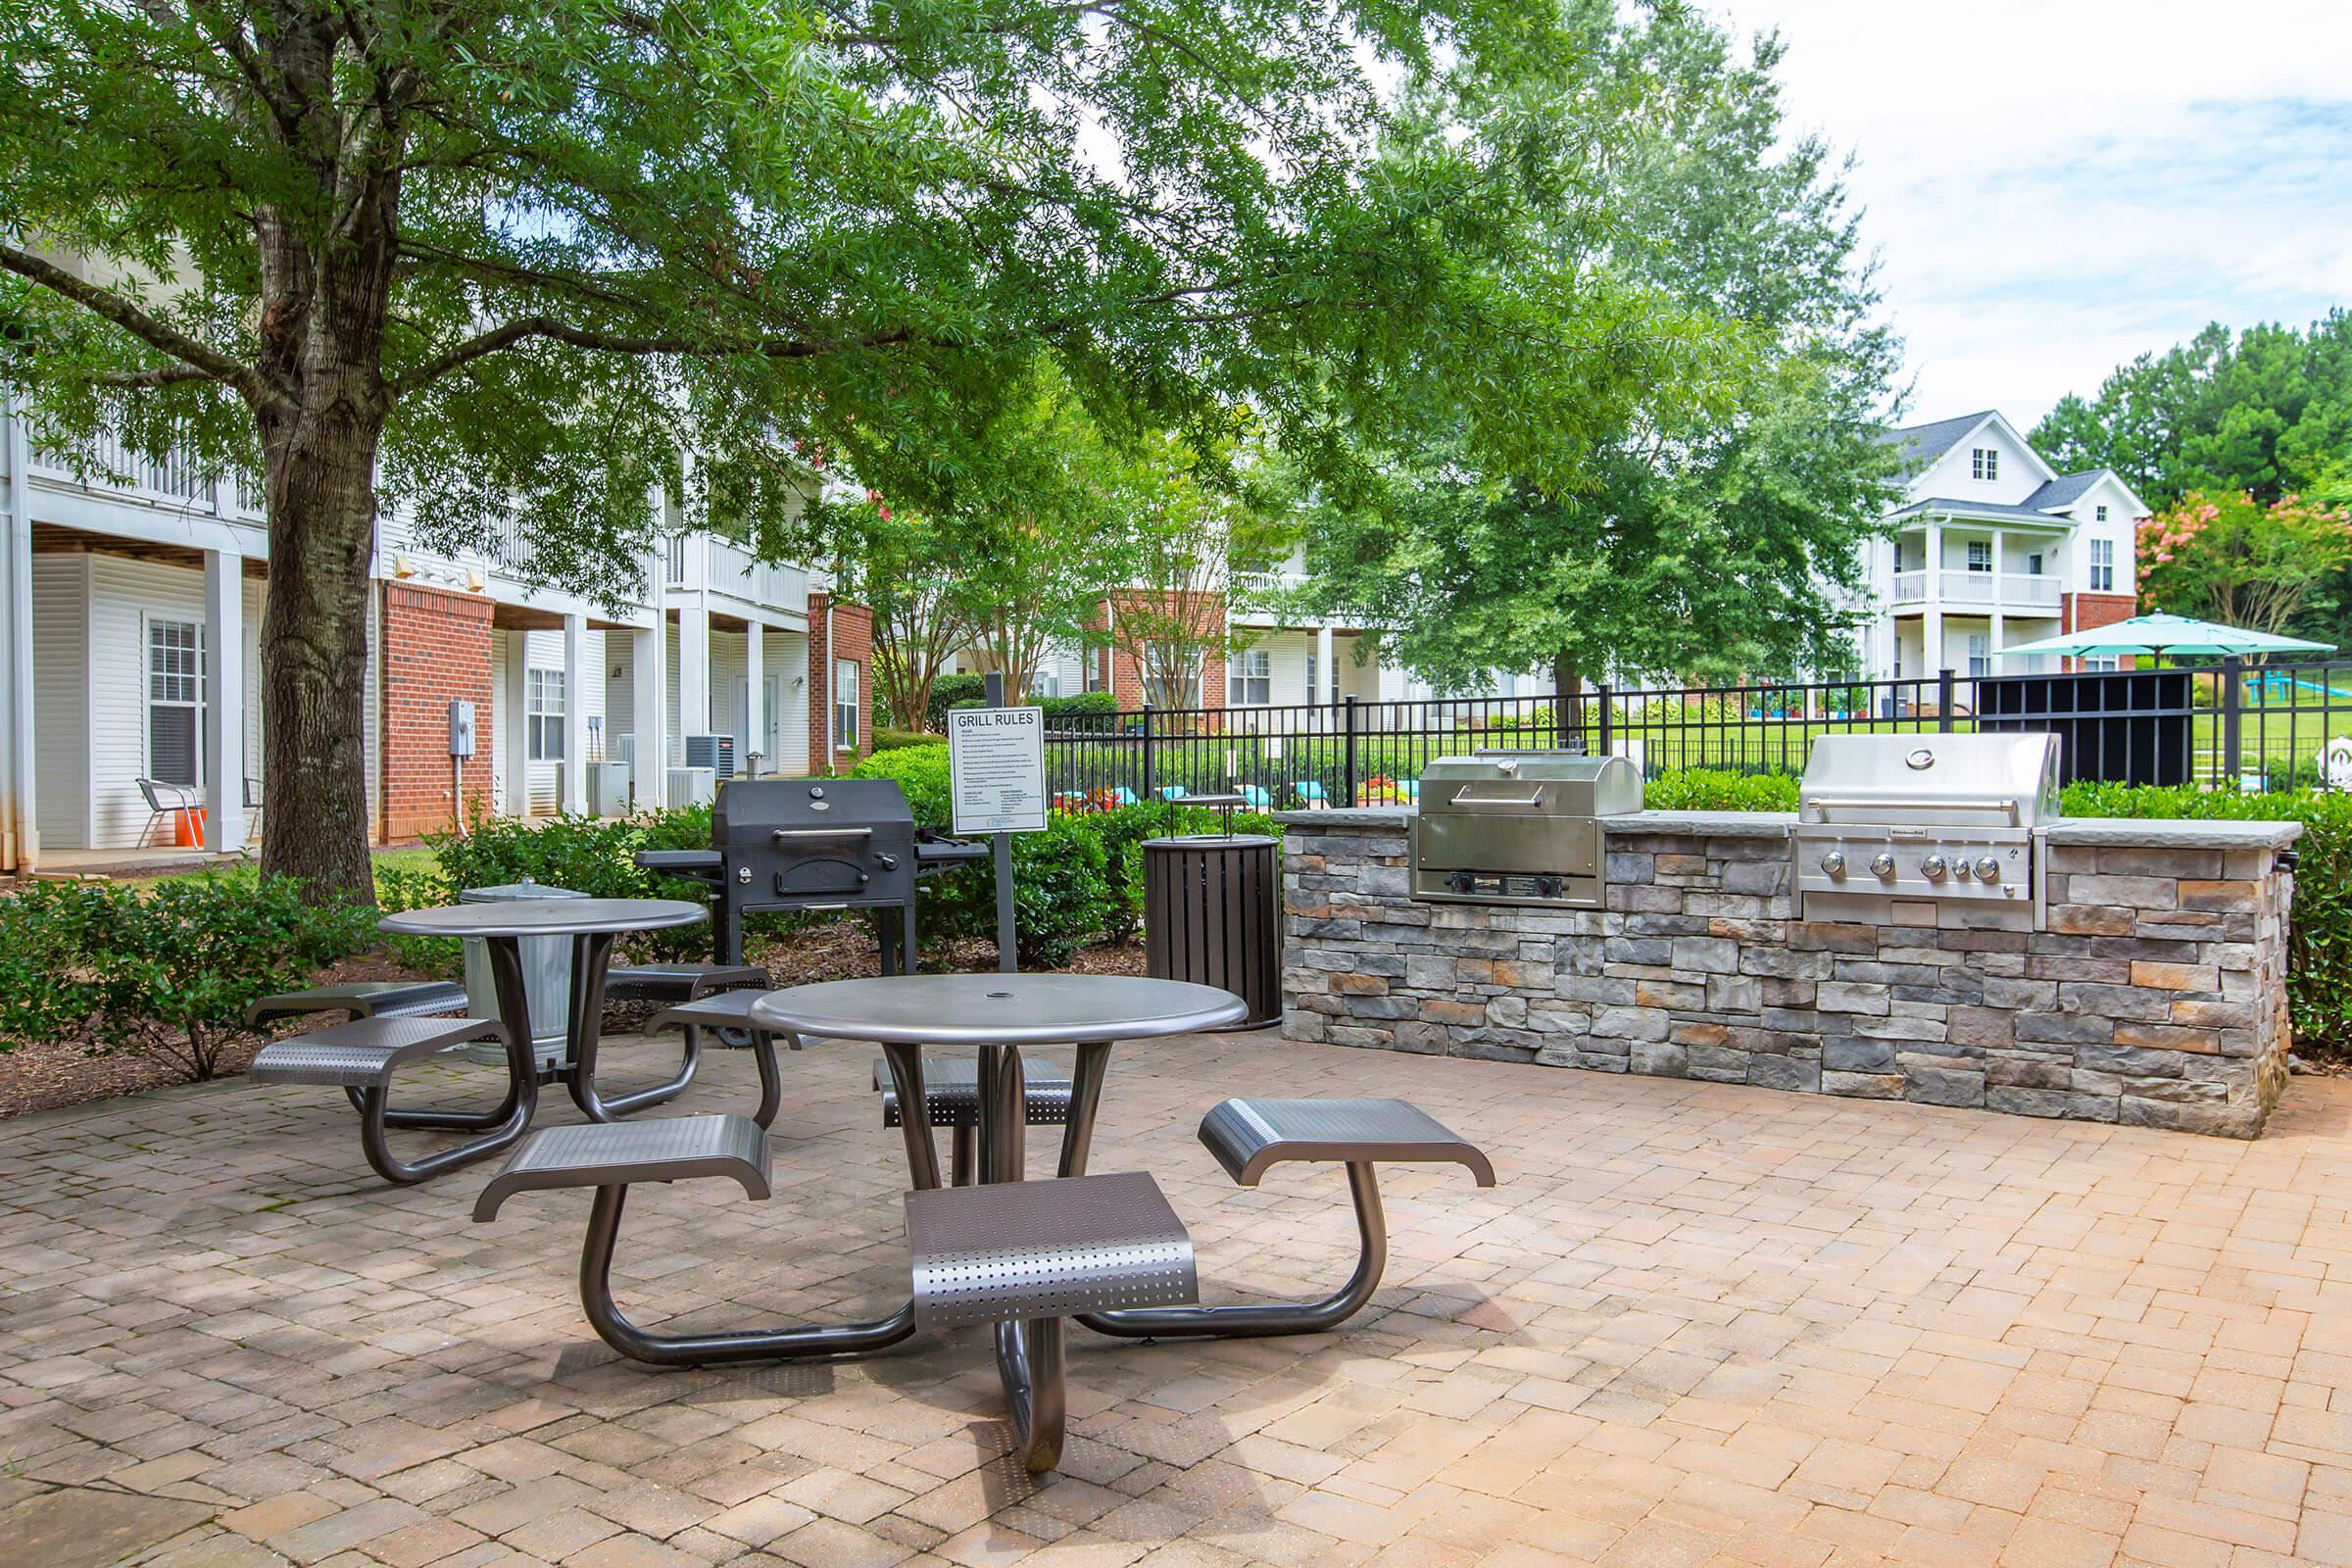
(594, 856)
(948, 691)
(169, 969)
(922, 772)
(2319, 934)
(1084, 712)
(1709, 789)
(896, 740)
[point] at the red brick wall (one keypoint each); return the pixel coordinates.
(436, 646)
(849, 636)
(2090, 611)
(1126, 673)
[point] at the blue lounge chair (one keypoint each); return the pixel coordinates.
(1258, 798)
(1173, 792)
(1121, 795)
(1311, 795)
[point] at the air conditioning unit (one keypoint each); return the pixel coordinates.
(713, 752)
(609, 789)
(691, 786)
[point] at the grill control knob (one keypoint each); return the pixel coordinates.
(1833, 863)
(1931, 867)
(1960, 866)
(1989, 869)
(1882, 864)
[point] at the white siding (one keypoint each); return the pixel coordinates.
(787, 654)
(500, 718)
(616, 648)
(125, 594)
(61, 700)
(1952, 476)
(729, 713)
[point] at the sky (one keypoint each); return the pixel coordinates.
(2055, 187)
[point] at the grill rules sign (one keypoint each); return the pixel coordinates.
(997, 769)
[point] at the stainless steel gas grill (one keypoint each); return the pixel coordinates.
(1518, 827)
(812, 843)
(1925, 829)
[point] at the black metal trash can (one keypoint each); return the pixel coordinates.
(1212, 914)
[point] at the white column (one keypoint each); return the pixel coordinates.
(515, 738)
(755, 711)
(649, 697)
(1930, 622)
(577, 672)
(1325, 670)
(693, 670)
(20, 833)
(223, 702)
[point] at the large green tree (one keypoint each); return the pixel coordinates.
(479, 255)
(1711, 535)
(2267, 411)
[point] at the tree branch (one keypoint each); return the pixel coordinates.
(148, 380)
(197, 356)
(541, 326)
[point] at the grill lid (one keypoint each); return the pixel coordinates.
(756, 808)
(1933, 780)
(1537, 783)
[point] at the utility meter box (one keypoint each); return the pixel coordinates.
(460, 728)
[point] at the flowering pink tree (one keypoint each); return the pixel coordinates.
(2229, 559)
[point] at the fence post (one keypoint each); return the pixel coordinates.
(2232, 705)
(1607, 727)
(1945, 682)
(1348, 766)
(1146, 791)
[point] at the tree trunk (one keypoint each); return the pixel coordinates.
(1567, 702)
(321, 476)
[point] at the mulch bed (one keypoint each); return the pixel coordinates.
(56, 1073)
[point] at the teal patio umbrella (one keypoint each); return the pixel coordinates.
(2169, 634)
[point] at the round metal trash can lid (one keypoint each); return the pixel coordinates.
(516, 892)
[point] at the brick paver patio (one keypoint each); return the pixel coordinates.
(1694, 1323)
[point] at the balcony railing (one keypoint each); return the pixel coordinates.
(2009, 590)
(175, 477)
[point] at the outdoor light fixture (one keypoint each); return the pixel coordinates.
(403, 567)
(474, 581)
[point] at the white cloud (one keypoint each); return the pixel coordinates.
(2055, 187)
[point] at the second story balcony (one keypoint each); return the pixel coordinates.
(2022, 591)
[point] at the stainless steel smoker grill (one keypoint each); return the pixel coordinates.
(1925, 829)
(812, 843)
(1518, 827)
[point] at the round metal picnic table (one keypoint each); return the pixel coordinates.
(592, 924)
(999, 1013)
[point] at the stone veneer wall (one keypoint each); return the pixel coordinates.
(2155, 997)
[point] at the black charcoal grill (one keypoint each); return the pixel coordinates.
(813, 844)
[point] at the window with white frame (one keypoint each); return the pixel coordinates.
(176, 700)
(1250, 679)
(2102, 566)
(2102, 663)
(845, 704)
(543, 715)
(1980, 653)
(1979, 555)
(1047, 682)
(2098, 514)
(1985, 463)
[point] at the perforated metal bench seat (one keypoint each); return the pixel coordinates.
(360, 1057)
(618, 1154)
(681, 982)
(1247, 1135)
(364, 1052)
(952, 1087)
(611, 1157)
(362, 999)
(1008, 1251)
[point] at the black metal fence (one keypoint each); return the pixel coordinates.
(2263, 726)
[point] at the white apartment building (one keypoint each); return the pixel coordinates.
(1991, 547)
(129, 620)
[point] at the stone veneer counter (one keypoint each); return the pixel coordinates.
(2156, 994)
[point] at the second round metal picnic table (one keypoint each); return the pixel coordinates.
(592, 924)
(997, 1015)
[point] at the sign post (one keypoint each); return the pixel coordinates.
(996, 785)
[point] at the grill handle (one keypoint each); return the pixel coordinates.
(784, 834)
(1463, 797)
(1922, 803)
